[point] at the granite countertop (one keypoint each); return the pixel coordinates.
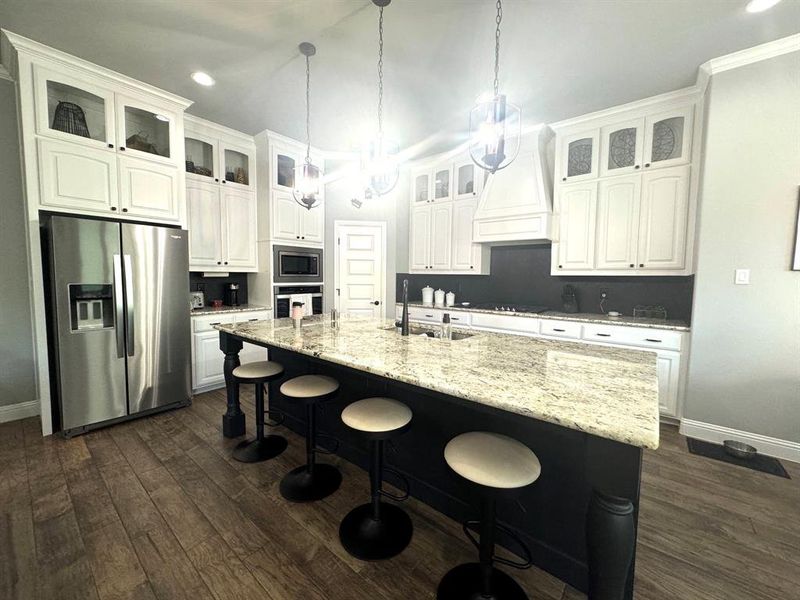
(605, 391)
(210, 310)
(625, 320)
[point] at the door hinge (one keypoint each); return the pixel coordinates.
(338, 292)
(339, 241)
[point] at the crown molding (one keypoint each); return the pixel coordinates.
(748, 56)
(37, 51)
(198, 125)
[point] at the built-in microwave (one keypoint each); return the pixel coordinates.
(294, 264)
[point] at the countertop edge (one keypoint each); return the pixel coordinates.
(210, 310)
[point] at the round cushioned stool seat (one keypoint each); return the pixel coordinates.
(492, 460)
(376, 415)
(309, 386)
(263, 369)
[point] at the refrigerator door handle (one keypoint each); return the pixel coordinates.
(129, 305)
(119, 327)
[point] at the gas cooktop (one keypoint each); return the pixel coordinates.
(520, 308)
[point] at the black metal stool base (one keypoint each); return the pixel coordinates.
(300, 486)
(258, 450)
(368, 539)
(464, 583)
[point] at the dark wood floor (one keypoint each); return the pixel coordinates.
(155, 508)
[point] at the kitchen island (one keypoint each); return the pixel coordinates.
(586, 411)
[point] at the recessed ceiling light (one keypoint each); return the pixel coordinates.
(756, 6)
(203, 78)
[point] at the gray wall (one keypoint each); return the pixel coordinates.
(339, 208)
(744, 368)
(17, 373)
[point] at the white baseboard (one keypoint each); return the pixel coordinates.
(770, 446)
(22, 410)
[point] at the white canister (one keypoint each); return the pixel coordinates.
(427, 295)
(450, 299)
(438, 298)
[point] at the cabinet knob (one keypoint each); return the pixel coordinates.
(636, 167)
(471, 267)
(631, 265)
(111, 145)
(302, 237)
(641, 264)
(216, 179)
(122, 148)
(646, 164)
(563, 179)
(560, 267)
(224, 181)
(219, 262)
(124, 210)
(297, 236)
(226, 262)
(113, 208)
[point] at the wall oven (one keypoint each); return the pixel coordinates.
(297, 265)
(309, 295)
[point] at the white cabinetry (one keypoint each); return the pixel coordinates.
(220, 198)
(633, 211)
(443, 203)
(207, 358)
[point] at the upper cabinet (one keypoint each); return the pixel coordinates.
(636, 213)
(465, 177)
(96, 142)
(220, 197)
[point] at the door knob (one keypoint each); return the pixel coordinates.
(376, 302)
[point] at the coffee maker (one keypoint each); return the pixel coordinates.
(232, 294)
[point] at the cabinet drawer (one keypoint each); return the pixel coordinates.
(509, 323)
(633, 336)
(562, 329)
(259, 315)
(426, 315)
(207, 323)
(464, 319)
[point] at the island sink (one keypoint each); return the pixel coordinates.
(431, 333)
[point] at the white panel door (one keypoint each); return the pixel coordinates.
(286, 220)
(239, 229)
(577, 206)
(208, 360)
(578, 155)
(622, 145)
(420, 251)
(311, 223)
(618, 222)
(662, 220)
(360, 269)
(441, 235)
(668, 370)
(464, 251)
(77, 177)
(148, 189)
(205, 227)
(668, 138)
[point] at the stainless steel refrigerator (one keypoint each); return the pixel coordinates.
(118, 319)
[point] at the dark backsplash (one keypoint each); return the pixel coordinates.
(214, 287)
(521, 275)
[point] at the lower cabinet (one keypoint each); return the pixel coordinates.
(668, 366)
(207, 358)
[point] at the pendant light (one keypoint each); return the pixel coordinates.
(494, 123)
(308, 176)
(379, 156)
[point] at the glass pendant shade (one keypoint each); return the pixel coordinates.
(495, 128)
(308, 179)
(380, 166)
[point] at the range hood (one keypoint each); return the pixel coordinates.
(516, 203)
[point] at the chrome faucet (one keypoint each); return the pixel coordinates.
(404, 320)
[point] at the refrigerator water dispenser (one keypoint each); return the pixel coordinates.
(90, 306)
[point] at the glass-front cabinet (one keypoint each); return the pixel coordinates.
(622, 147)
(420, 186)
(201, 157)
(237, 164)
(579, 154)
(73, 109)
(284, 163)
(442, 179)
(668, 138)
(467, 179)
(145, 130)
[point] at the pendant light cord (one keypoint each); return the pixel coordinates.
(308, 110)
(380, 73)
(497, 48)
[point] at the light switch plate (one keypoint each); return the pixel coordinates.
(742, 277)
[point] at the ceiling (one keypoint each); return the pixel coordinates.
(559, 59)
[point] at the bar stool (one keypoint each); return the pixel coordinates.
(500, 466)
(263, 447)
(376, 531)
(310, 481)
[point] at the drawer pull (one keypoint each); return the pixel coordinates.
(652, 340)
(603, 334)
(429, 316)
(256, 319)
(559, 330)
(217, 323)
